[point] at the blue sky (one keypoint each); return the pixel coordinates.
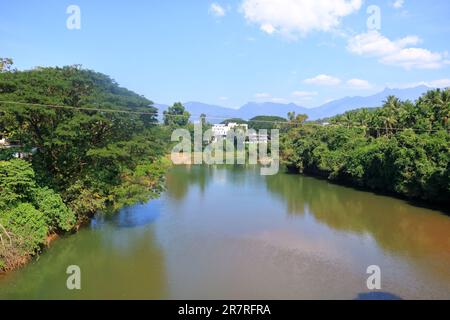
(232, 52)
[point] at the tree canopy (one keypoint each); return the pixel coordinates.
(266, 122)
(176, 116)
(403, 147)
(234, 120)
(90, 144)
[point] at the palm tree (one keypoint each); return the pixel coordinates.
(439, 102)
(442, 108)
(364, 119)
(391, 112)
(392, 103)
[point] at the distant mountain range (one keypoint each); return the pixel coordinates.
(216, 114)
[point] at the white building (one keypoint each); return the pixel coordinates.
(238, 126)
(222, 130)
(255, 137)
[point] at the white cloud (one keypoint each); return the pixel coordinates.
(279, 100)
(359, 84)
(375, 44)
(268, 28)
(419, 58)
(217, 10)
(323, 80)
(262, 95)
(294, 18)
(439, 83)
(304, 94)
(396, 53)
(397, 4)
(223, 98)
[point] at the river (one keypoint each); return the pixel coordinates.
(229, 233)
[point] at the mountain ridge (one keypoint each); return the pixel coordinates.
(216, 113)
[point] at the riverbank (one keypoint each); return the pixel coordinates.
(16, 252)
(191, 158)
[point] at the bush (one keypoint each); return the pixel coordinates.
(17, 183)
(56, 213)
(28, 224)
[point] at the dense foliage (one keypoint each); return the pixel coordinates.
(402, 148)
(102, 149)
(176, 116)
(234, 120)
(259, 122)
(265, 122)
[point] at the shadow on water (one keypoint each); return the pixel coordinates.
(377, 296)
(130, 217)
(441, 207)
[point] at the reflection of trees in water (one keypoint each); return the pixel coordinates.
(115, 264)
(139, 269)
(181, 178)
(394, 224)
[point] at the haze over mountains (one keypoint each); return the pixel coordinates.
(216, 114)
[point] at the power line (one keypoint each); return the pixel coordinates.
(78, 108)
(379, 128)
(156, 113)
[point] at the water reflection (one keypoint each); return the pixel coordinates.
(131, 216)
(227, 232)
(115, 264)
(395, 225)
(181, 178)
(411, 239)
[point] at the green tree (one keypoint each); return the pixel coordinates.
(176, 116)
(28, 225)
(90, 140)
(234, 120)
(401, 147)
(266, 122)
(17, 183)
(58, 216)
